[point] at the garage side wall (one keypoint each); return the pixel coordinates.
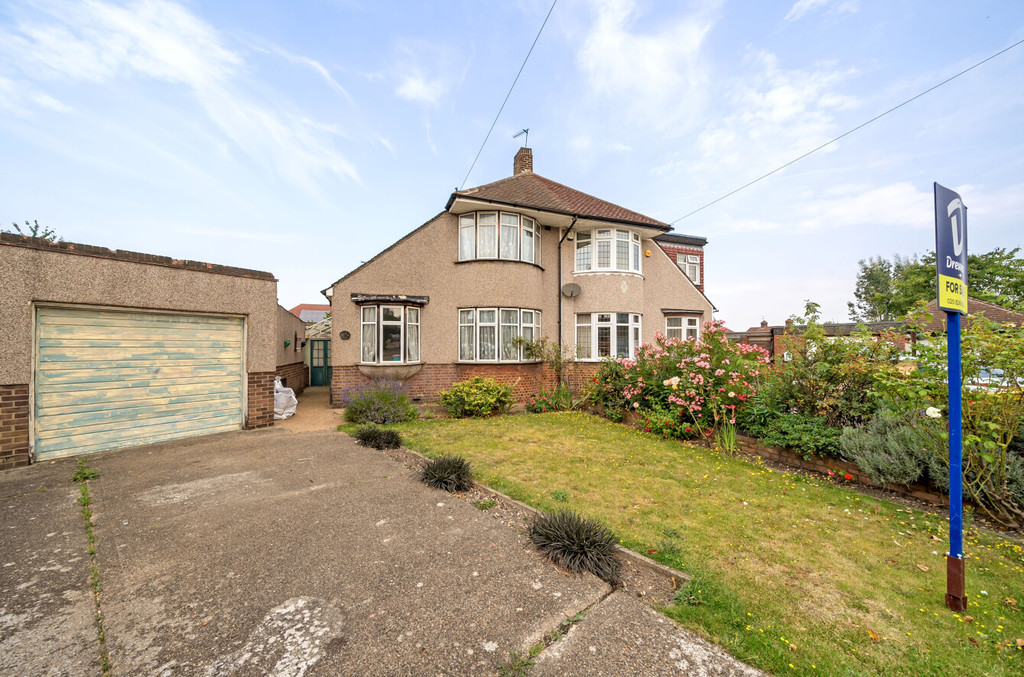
(291, 363)
(37, 272)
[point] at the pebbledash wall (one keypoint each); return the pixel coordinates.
(291, 365)
(424, 264)
(37, 271)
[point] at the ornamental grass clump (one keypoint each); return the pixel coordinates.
(380, 401)
(577, 543)
(377, 437)
(451, 473)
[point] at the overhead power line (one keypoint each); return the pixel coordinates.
(847, 133)
(555, 2)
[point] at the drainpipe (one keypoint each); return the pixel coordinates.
(567, 231)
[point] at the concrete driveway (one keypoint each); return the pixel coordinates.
(278, 553)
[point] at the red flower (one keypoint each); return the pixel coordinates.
(689, 430)
(847, 476)
(647, 430)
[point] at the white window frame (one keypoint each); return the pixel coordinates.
(610, 321)
(523, 224)
(609, 240)
(499, 331)
(376, 329)
(682, 327)
(690, 265)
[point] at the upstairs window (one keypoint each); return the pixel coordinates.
(690, 265)
(498, 235)
(607, 249)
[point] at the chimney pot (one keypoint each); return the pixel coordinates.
(523, 162)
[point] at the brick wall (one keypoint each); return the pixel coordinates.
(13, 426)
(527, 379)
(581, 375)
(293, 375)
(820, 464)
(261, 400)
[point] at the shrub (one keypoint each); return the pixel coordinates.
(559, 399)
(451, 473)
(577, 543)
(890, 451)
(377, 438)
(607, 387)
(379, 401)
(806, 433)
(668, 423)
(476, 397)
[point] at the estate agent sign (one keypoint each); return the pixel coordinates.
(951, 250)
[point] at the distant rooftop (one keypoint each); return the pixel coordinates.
(310, 312)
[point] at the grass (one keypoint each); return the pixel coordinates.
(795, 576)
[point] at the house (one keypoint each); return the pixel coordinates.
(311, 313)
(523, 257)
(781, 340)
(687, 252)
(108, 349)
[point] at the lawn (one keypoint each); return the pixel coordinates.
(792, 575)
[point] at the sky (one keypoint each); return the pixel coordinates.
(304, 137)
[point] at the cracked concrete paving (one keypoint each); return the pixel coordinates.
(284, 553)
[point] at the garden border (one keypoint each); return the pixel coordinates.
(752, 446)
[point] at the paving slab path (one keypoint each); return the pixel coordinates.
(281, 553)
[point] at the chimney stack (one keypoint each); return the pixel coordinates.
(523, 162)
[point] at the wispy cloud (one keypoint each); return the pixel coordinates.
(425, 72)
(802, 7)
(106, 44)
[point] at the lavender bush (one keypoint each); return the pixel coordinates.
(380, 401)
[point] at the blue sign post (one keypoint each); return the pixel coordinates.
(951, 288)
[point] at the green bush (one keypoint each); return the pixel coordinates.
(559, 399)
(380, 401)
(606, 389)
(476, 397)
(806, 433)
(577, 543)
(668, 423)
(377, 438)
(890, 451)
(450, 473)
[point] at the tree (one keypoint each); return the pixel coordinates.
(888, 290)
(35, 230)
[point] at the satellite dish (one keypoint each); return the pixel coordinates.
(571, 290)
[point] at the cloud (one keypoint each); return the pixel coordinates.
(901, 205)
(802, 7)
(656, 74)
(105, 45)
(425, 72)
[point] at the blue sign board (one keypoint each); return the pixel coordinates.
(950, 251)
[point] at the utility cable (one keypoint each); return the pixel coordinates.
(845, 134)
(555, 2)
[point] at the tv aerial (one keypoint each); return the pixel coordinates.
(521, 132)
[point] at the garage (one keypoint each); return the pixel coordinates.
(106, 379)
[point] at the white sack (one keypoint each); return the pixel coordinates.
(284, 400)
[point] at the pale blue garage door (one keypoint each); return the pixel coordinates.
(106, 379)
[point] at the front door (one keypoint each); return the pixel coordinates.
(320, 362)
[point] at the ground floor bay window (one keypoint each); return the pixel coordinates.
(389, 334)
(490, 334)
(601, 335)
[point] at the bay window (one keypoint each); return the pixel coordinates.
(498, 235)
(601, 335)
(607, 249)
(389, 334)
(490, 334)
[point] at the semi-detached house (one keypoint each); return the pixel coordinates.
(521, 257)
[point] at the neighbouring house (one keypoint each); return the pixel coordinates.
(311, 313)
(291, 339)
(687, 252)
(108, 349)
(523, 257)
(781, 340)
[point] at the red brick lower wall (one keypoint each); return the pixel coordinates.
(14, 426)
(431, 379)
(293, 375)
(581, 375)
(261, 400)
(841, 468)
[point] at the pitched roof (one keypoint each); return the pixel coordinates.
(992, 312)
(310, 312)
(534, 191)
